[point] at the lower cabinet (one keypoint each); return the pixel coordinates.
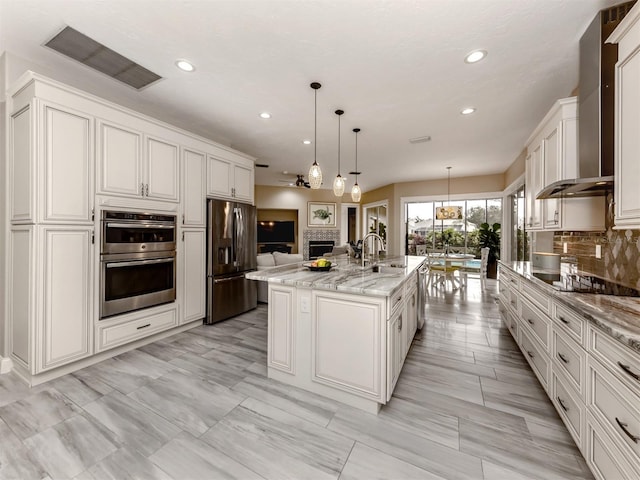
(395, 347)
(116, 331)
(592, 379)
(281, 331)
(347, 349)
(52, 297)
(193, 265)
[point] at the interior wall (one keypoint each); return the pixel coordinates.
(293, 198)
(516, 169)
(3, 206)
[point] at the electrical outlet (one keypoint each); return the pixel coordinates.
(565, 248)
(305, 305)
(598, 251)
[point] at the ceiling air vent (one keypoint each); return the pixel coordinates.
(87, 51)
(424, 139)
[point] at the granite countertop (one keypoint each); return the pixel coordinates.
(617, 315)
(347, 277)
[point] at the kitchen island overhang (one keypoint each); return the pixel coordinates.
(343, 333)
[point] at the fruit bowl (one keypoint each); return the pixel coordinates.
(325, 268)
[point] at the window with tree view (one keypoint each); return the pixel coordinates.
(438, 226)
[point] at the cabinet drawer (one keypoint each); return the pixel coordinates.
(395, 302)
(617, 357)
(539, 298)
(537, 321)
(572, 323)
(536, 356)
(616, 406)
(569, 358)
(510, 279)
(569, 406)
(124, 332)
(603, 457)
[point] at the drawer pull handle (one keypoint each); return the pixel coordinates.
(563, 358)
(627, 369)
(624, 426)
(143, 326)
(561, 403)
(531, 322)
(564, 320)
(531, 355)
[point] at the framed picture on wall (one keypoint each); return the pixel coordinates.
(321, 214)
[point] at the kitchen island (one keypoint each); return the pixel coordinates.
(343, 333)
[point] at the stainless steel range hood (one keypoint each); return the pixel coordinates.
(595, 110)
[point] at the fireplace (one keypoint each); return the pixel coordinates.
(317, 248)
(317, 236)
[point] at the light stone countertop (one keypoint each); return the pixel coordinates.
(616, 315)
(346, 277)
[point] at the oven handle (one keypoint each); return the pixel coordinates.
(140, 262)
(140, 225)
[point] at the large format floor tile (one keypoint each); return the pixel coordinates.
(198, 405)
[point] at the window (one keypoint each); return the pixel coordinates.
(459, 235)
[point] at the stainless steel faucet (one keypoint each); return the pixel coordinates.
(375, 236)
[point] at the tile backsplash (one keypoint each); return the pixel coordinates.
(620, 259)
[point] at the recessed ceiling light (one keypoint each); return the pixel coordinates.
(475, 56)
(306, 142)
(570, 193)
(265, 115)
(185, 66)
(467, 111)
(601, 183)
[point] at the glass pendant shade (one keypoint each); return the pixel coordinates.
(338, 186)
(356, 193)
(315, 176)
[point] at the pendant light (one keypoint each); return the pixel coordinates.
(315, 174)
(356, 193)
(338, 183)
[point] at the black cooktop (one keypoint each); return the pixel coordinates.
(584, 283)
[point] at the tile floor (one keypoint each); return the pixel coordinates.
(199, 406)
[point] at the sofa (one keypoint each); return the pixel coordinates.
(267, 260)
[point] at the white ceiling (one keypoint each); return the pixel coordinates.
(395, 66)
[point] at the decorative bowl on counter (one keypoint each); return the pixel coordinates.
(313, 268)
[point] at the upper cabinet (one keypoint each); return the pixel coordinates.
(51, 164)
(137, 165)
(230, 177)
(627, 121)
(552, 155)
(194, 180)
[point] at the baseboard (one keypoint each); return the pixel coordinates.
(5, 365)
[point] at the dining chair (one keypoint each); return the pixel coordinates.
(484, 263)
(440, 273)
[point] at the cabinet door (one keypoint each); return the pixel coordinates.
(66, 310)
(20, 293)
(282, 334)
(627, 166)
(194, 275)
(66, 145)
(533, 184)
(550, 174)
(194, 179)
(219, 177)
(162, 170)
(120, 160)
(411, 320)
(21, 167)
(243, 183)
(394, 351)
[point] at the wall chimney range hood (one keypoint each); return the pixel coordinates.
(596, 101)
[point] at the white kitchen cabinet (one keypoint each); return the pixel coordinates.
(627, 121)
(137, 165)
(395, 347)
(51, 295)
(192, 288)
(411, 327)
(230, 178)
(194, 178)
(65, 286)
(348, 343)
(282, 328)
(552, 156)
(51, 164)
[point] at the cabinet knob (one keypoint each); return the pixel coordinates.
(561, 403)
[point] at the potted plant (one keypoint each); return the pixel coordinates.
(489, 236)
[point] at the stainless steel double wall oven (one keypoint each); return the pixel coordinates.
(138, 261)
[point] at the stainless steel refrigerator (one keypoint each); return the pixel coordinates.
(231, 252)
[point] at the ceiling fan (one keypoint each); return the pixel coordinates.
(299, 182)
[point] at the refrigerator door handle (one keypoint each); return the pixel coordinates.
(228, 279)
